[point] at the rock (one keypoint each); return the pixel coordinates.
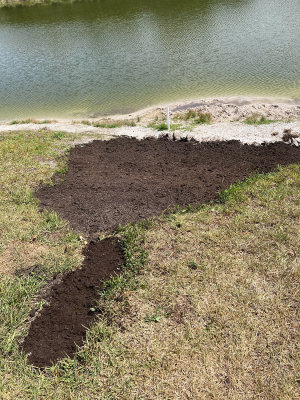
(287, 135)
(170, 136)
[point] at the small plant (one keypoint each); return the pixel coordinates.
(52, 221)
(25, 121)
(203, 118)
(114, 124)
(189, 114)
(193, 265)
(161, 127)
(153, 318)
(258, 119)
(58, 135)
(45, 121)
(30, 121)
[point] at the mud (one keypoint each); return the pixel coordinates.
(109, 183)
(61, 325)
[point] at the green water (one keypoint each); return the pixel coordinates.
(109, 56)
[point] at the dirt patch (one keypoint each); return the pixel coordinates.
(61, 325)
(123, 180)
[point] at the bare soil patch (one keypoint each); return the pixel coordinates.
(62, 324)
(115, 182)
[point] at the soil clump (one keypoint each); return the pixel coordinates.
(111, 183)
(61, 325)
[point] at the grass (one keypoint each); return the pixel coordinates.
(203, 118)
(110, 124)
(196, 117)
(30, 121)
(161, 126)
(97, 124)
(258, 119)
(164, 127)
(206, 307)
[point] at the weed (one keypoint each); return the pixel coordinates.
(198, 117)
(31, 121)
(258, 119)
(58, 135)
(203, 118)
(110, 126)
(114, 124)
(86, 122)
(193, 265)
(161, 127)
(189, 114)
(152, 318)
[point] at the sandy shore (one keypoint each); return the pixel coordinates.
(222, 109)
(225, 108)
(228, 121)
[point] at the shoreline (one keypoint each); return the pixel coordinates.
(228, 120)
(209, 102)
(240, 107)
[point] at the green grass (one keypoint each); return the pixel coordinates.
(189, 114)
(203, 118)
(206, 307)
(164, 127)
(195, 117)
(258, 119)
(158, 126)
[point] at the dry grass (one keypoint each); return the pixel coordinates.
(109, 123)
(213, 315)
(195, 116)
(34, 246)
(228, 327)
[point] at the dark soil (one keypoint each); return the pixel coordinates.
(61, 326)
(123, 180)
(119, 181)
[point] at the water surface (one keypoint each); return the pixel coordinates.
(109, 56)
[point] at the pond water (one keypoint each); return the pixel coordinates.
(102, 57)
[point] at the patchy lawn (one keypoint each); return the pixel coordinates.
(211, 315)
